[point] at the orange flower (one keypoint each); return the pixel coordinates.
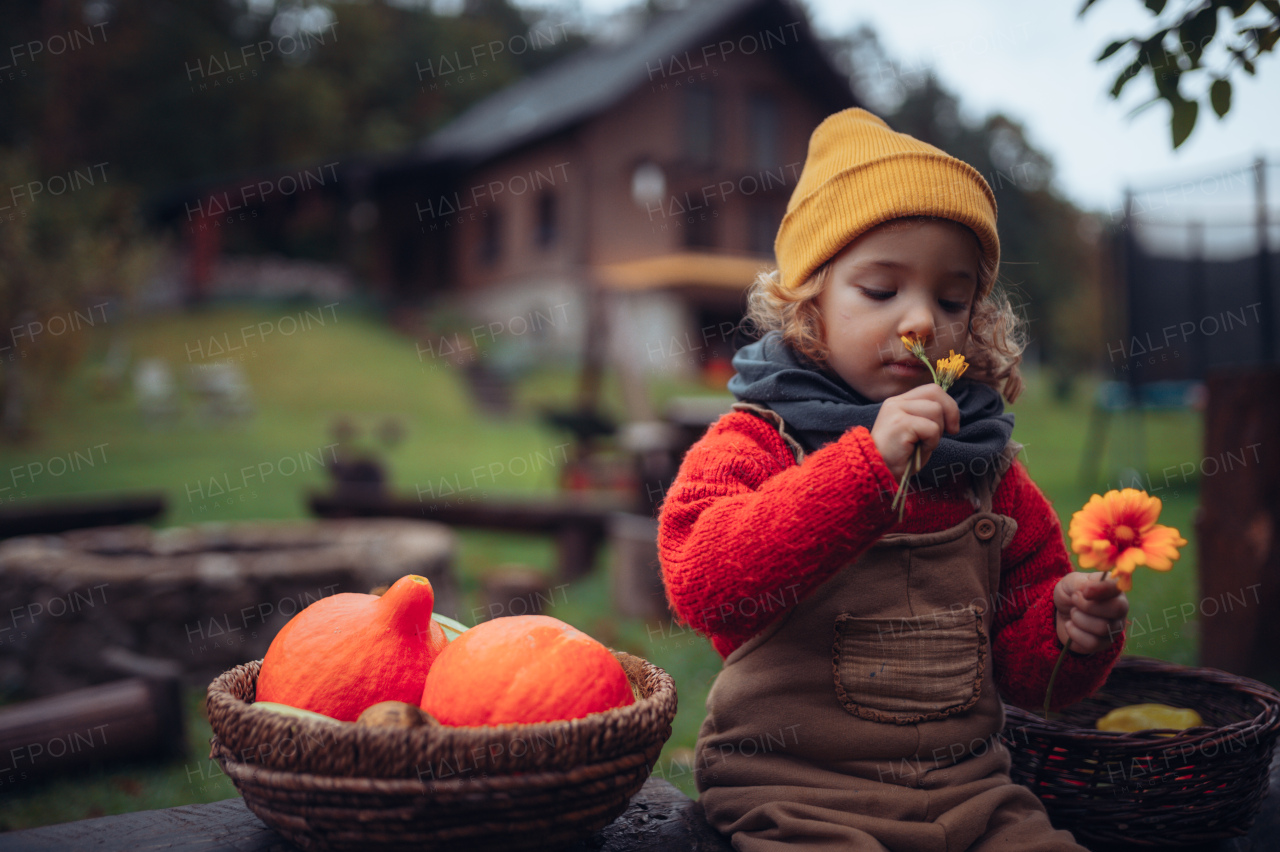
(1118, 532)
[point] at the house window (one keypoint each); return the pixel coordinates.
(763, 223)
(763, 121)
(699, 229)
(491, 237)
(546, 233)
(699, 125)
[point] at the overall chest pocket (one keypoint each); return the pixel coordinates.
(912, 669)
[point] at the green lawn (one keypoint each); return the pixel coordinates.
(352, 365)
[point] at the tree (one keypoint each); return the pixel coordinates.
(1179, 49)
(64, 262)
(149, 94)
(157, 95)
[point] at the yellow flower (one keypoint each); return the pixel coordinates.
(1118, 532)
(914, 345)
(950, 369)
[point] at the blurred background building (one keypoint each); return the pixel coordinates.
(653, 167)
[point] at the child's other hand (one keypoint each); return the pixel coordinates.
(1091, 611)
(918, 416)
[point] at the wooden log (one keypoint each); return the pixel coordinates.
(514, 589)
(638, 590)
(132, 719)
(47, 517)
(1237, 520)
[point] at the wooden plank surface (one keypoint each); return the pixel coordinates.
(226, 825)
(659, 819)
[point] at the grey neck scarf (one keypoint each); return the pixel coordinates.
(818, 407)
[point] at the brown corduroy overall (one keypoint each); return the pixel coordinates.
(866, 717)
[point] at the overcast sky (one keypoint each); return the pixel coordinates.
(1035, 62)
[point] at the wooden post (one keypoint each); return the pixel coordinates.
(1236, 522)
(576, 548)
(1131, 278)
(594, 353)
(1265, 289)
(594, 344)
(515, 589)
(1197, 282)
(1120, 309)
(1240, 506)
(638, 590)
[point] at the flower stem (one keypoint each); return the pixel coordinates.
(1049, 689)
(900, 499)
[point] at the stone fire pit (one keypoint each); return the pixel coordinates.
(208, 596)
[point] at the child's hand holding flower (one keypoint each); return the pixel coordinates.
(911, 424)
(921, 413)
(1091, 612)
(1115, 532)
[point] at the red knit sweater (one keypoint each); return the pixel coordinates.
(742, 522)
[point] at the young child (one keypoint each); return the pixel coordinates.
(858, 708)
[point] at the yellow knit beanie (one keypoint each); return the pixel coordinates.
(860, 173)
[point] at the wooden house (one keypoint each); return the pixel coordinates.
(633, 188)
(623, 197)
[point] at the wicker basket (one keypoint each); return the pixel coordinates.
(1145, 789)
(335, 785)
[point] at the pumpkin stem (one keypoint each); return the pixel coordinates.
(408, 604)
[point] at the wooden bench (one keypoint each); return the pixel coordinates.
(46, 517)
(578, 520)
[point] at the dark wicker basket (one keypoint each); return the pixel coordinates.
(335, 785)
(1145, 789)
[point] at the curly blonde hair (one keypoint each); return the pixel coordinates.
(997, 333)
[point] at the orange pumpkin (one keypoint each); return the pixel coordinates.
(349, 651)
(523, 669)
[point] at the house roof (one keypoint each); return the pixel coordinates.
(596, 77)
